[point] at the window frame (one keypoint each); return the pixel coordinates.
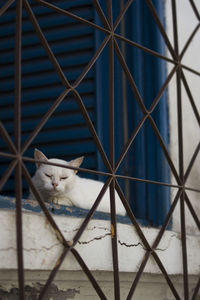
(153, 201)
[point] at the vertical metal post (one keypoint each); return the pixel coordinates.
(17, 137)
(112, 152)
(181, 156)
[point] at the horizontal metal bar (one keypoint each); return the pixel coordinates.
(46, 46)
(190, 69)
(44, 119)
(7, 138)
(32, 160)
(8, 155)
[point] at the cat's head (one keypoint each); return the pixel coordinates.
(54, 179)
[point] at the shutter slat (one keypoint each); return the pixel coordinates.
(65, 135)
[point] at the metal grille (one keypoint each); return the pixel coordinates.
(16, 150)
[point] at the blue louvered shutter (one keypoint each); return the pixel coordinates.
(65, 134)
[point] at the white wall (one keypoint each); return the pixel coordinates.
(187, 22)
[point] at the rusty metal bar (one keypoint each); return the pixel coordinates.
(111, 103)
(28, 159)
(110, 163)
(196, 290)
(162, 89)
(181, 155)
(46, 46)
(74, 242)
(132, 217)
(7, 138)
(91, 211)
(89, 275)
(146, 245)
(17, 100)
(44, 119)
(195, 110)
(138, 275)
(162, 30)
(145, 49)
(7, 173)
(195, 9)
(130, 78)
(114, 241)
(165, 150)
(90, 171)
(43, 207)
(184, 248)
(101, 14)
(19, 232)
(167, 219)
(162, 268)
(5, 7)
(190, 70)
(8, 155)
(53, 273)
(189, 168)
(122, 13)
(192, 211)
(129, 143)
(68, 14)
(138, 98)
(155, 244)
(92, 62)
(189, 41)
(111, 133)
(17, 139)
(92, 130)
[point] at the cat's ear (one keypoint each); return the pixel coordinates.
(76, 163)
(38, 155)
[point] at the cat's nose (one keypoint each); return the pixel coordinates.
(54, 184)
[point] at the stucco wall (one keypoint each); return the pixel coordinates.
(75, 285)
(42, 250)
(191, 133)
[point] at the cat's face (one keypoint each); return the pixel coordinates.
(55, 180)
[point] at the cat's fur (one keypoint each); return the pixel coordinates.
(61, 185)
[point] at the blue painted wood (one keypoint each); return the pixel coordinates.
(83, 42)
(57, 210)
(65, 135)
(73, 45)
(145, 158)
(46, 92)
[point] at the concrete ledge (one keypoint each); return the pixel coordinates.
(42, 249)
(75, 285)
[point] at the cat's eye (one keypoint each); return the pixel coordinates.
(63, 178)
(48, 175)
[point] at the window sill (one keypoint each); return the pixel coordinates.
(42, 249)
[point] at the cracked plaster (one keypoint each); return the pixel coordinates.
(42, 248)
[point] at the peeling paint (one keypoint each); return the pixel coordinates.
(112, 231)
(32, 293)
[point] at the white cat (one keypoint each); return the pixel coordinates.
(61, 185)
